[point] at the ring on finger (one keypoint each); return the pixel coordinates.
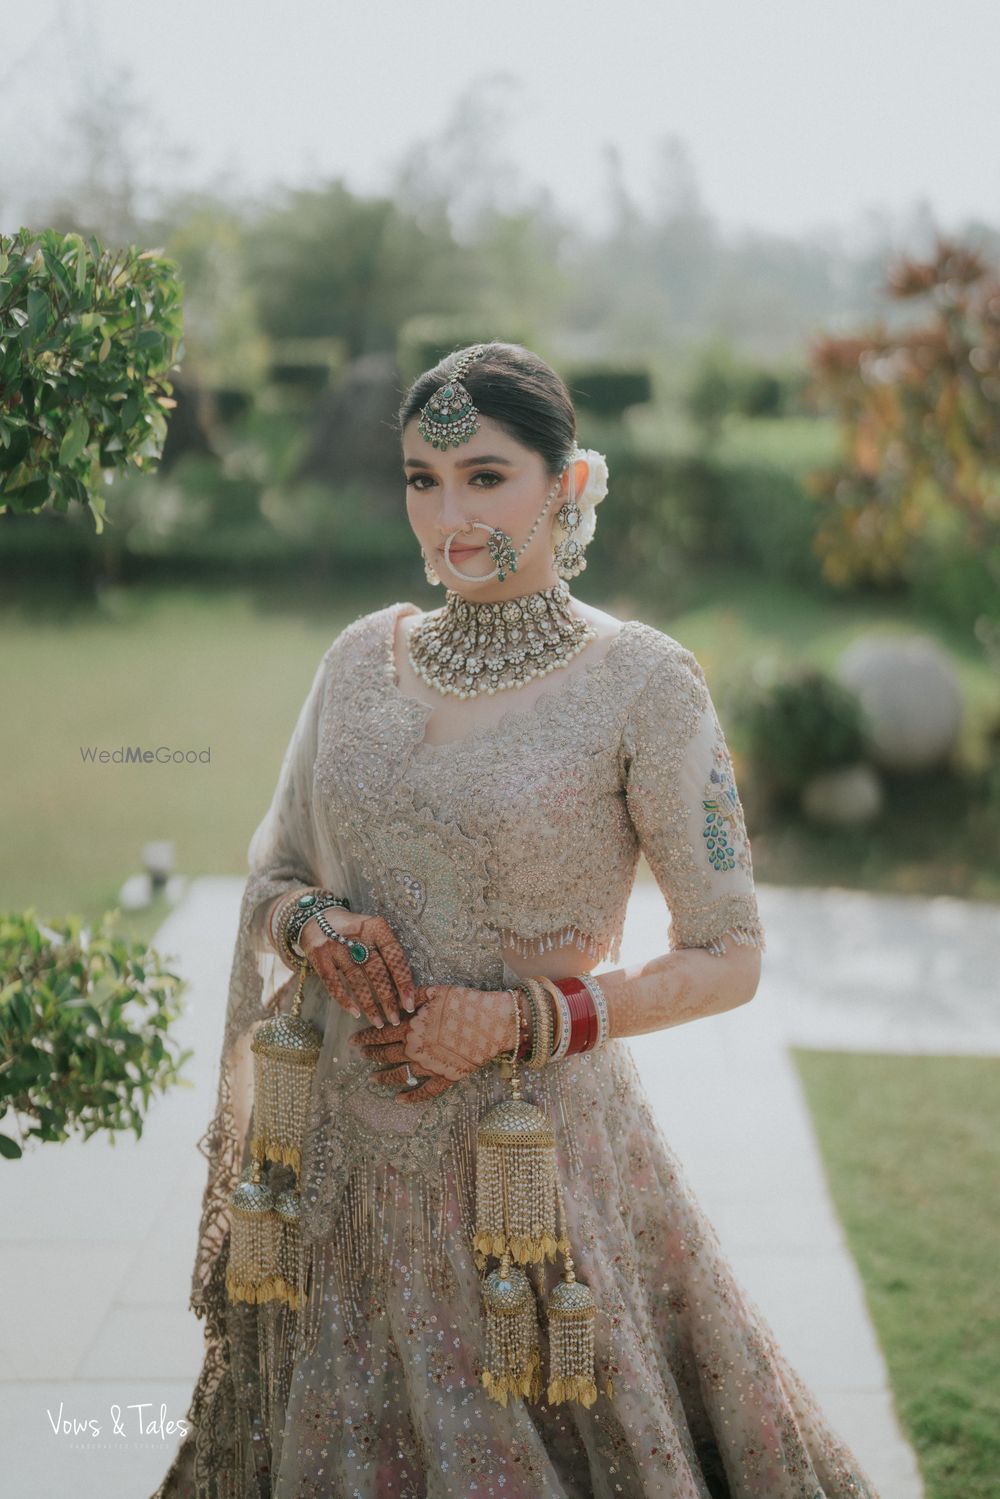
(359, 951)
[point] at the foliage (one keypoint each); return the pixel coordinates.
(721, 385)
(765, 519)
(608, 390)
(802, 724)
(223, 342)
(83, 1022)
(86, 339)
(329, 263)
(921, 409)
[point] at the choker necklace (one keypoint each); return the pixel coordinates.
(467, 648)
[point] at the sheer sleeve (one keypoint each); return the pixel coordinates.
(284, 849)
(685, 807)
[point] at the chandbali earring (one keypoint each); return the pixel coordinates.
(568, 554)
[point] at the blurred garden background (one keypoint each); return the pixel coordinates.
(803, 437)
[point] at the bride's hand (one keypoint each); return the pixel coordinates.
(454, 1032)
(386, 969)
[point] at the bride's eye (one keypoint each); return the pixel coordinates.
(413, 480)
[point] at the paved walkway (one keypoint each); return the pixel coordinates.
(97, 1241)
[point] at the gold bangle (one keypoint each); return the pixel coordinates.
(532, 1022)
(560, 1038)
(517, 1025)
(541, 1048)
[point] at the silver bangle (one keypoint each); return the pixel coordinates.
(306, 907)
(600, 1005)
(565, 1025)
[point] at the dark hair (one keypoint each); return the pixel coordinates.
(514, 388)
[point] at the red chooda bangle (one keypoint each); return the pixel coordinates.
(583, 1014)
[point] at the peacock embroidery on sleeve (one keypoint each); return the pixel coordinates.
(724, 832)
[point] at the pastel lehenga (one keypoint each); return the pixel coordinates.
(523, 835)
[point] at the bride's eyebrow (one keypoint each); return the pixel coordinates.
(462, 462)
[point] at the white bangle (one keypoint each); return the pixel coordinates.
(600, 1005)
(565, 1024)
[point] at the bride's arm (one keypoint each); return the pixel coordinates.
(685, 984)
(683, 802)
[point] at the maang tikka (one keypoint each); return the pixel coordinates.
(450, 418)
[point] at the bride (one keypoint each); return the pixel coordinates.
(447, 857)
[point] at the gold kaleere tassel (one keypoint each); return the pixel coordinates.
(285, 1051)
(288, 1210)
(512, 1364)
(571, 1310)
(515, 1182)
(251, 1274)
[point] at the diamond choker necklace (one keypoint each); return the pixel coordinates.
(467, 647)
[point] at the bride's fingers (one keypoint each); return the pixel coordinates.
(378, 976)
(392, 1077)
(396, 1052)
(379, 1036)
(343, 978)
(333, 959)
(332, 979)
(430, 1087)
(388, 944)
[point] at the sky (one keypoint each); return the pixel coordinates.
(797, 117)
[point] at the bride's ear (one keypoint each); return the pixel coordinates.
(582, 475)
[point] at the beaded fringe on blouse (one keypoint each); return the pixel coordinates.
(566, 936)
(610, 950)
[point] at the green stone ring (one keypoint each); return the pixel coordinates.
(358, 951)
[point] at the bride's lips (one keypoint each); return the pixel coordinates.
(460, 551)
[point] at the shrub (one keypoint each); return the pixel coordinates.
(799, 726)
(84, 1016)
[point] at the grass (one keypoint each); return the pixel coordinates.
(913, 1161)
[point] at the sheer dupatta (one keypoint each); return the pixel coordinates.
(289, 848)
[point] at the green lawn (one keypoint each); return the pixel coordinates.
(912, 1152)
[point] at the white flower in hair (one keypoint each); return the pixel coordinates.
(596, 486)
(576, 537)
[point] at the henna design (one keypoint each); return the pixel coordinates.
(385, 977)
(454, 1031)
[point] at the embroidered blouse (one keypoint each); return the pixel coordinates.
(527, 831)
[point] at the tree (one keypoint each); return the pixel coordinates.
(87, 337)
(921, 414)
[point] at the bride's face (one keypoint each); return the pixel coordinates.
(491, 478)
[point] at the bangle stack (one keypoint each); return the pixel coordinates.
(293, 913)
(566, 1016)
(541, 1023)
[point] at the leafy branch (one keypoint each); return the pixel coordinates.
(87, 338)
